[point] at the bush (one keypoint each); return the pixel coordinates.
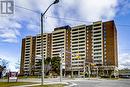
(106, 76)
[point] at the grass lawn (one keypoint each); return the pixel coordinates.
(6, 84)
(23, 77)
(29, 77)
(52, 85)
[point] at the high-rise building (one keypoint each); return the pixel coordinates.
(61, 41)
(95, 43)
(27, 55)
(31, 53)
(82, 45)
(110, 53)
(46, 50)
(79, 46)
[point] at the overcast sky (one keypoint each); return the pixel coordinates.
(26, 22)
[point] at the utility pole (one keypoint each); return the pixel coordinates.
(89, 70)
(61, 52)
(42, 54)
(71, 66)
(97, 71)
(84, 69)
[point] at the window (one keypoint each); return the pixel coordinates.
(97, 50)
(82, 35)
(74, 42)
(58, 33)
(97, 39)
(82, 28)
(98, 57)
(97, 35)
(98, 53)
(81, 31)
(97, 46)
(105, 38)
(97, 42)
(75, 36)
(97, 25)
(97, 28)
(82, 45)
(75, 33)
(81, 38)
(104, 34)
(81, 41)
(97, 32)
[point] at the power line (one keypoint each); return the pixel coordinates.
(62, 18)
(27, 9)
(124, 25)
(124, 49)
(53, 16)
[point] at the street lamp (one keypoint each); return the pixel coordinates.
(61, 52)
(42, 16)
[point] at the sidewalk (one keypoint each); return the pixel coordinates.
(26, 85)
(67, 82)
(46, 83)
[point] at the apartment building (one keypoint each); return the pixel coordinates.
(46, 50)
(110, 53)
(61, 41)
(95, 43)
(46, 45)
(31, 53)
(78, 45)
(27, 55)
(104, 41)
(82, 45)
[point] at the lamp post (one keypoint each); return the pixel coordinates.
(89, 71)
(42, 16)
(97, 71)
(84, 69)
(61, 52)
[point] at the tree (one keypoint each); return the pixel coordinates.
(47, 66)
(47, 60)
(55, 64)
(3, 66)
(1, 69)
(50, 65)
(17, 65)
(4, 63)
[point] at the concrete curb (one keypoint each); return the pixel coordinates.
(47, 83)
(26, 85)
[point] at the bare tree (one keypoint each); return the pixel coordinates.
(4, 63)
(17, 65)
(3, 66)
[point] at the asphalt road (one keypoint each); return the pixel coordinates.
(102, 83)
(80, 82)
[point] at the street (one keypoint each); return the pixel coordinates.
(102, 83)
(80, 82)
